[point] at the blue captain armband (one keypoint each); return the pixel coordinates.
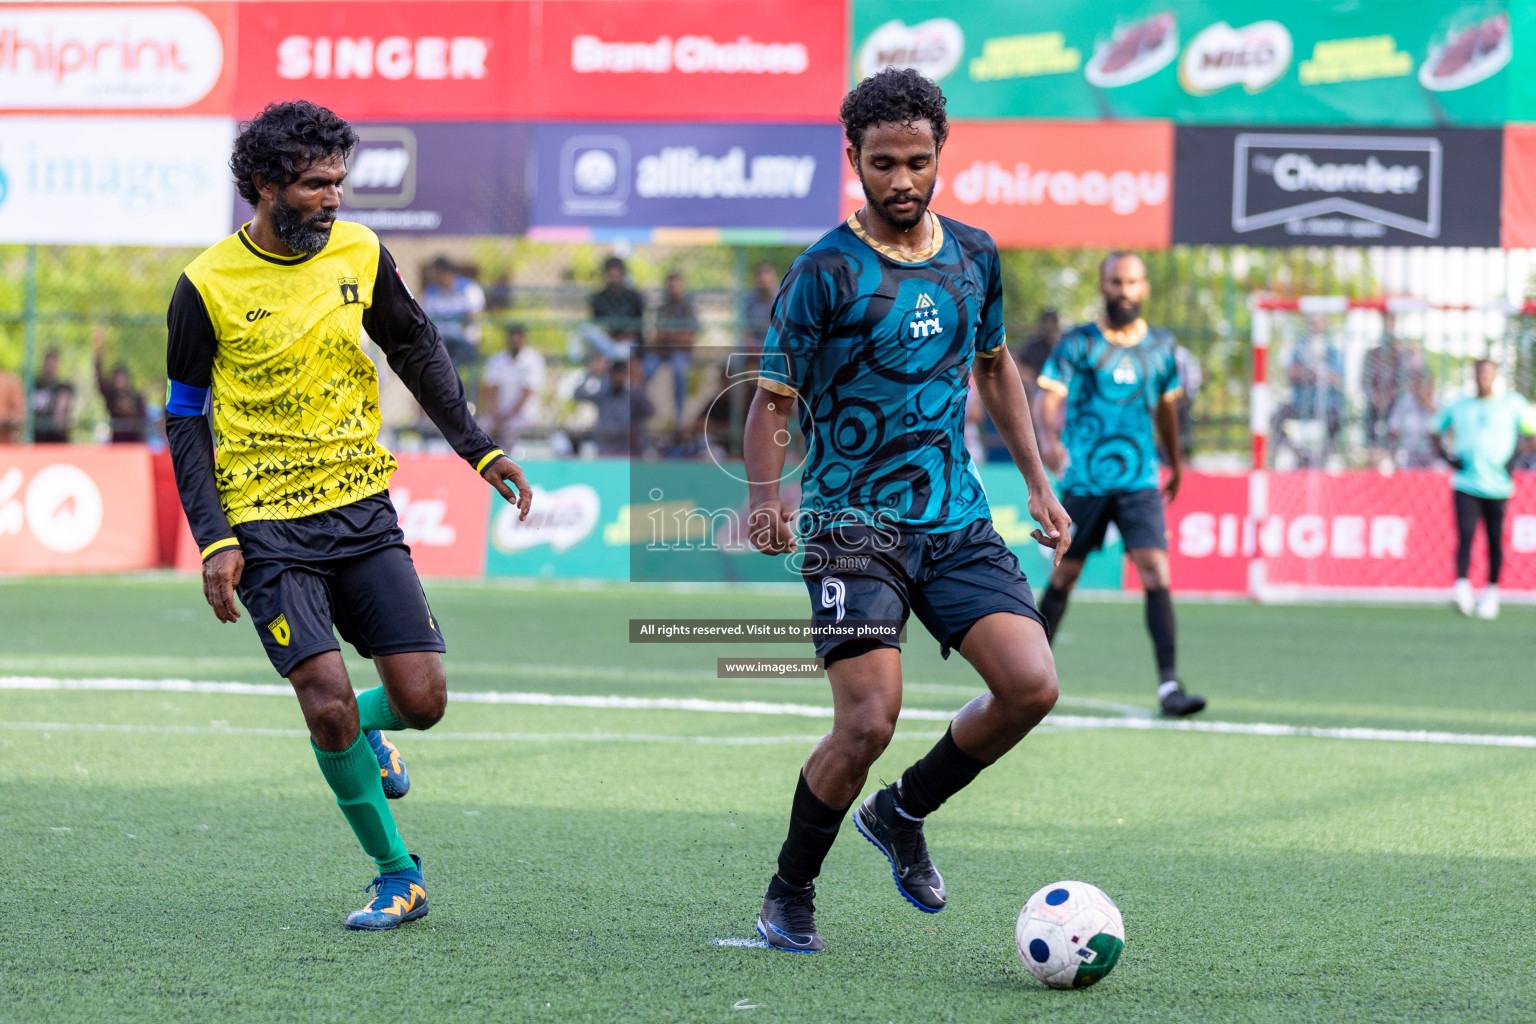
(184, 399)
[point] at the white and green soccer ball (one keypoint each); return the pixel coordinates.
(1070, 934)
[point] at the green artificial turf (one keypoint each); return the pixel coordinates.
(166, 862)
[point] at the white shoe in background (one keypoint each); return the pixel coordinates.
(1488, 607)
(1461, 594)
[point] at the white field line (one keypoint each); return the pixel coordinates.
(152, 663)
(494, 737)
(791, 710)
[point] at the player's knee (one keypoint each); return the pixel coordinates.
(1154, 574)
(1030, 695)
(423, 707)
(332, 722)
(867, 735)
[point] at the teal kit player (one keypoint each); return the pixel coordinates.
(1118, 379)
(1485, 436)
(876, 336)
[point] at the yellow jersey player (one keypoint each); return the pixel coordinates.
(287, 496)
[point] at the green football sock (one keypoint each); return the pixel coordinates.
(353, 775)
(373, 711)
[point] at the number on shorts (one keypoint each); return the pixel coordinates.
(832, 594)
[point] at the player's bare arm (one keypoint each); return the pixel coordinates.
(1002, 394)
(767, 428)
(1167, 422)
(1052, 453)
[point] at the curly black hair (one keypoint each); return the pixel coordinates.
(282, 141)
(895, 96)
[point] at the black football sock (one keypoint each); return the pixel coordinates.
(1161, 626)
(812, 828)
(1052, 607)
(938, 775)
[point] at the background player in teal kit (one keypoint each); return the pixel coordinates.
(1485, 437)
(875, 336)
(1117, 377)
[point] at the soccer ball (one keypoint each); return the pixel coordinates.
(1070, 934)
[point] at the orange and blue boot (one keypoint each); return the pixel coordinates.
(398, 897)
(391, 768)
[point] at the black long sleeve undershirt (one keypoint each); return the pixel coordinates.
(189, 360)
(191, 444)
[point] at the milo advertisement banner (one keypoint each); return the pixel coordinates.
(1411, 62)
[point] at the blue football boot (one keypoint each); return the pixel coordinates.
(399, 896)
(391, 769)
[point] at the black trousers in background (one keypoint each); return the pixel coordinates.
(1469, 509)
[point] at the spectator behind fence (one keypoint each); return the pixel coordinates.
(757, 313)
(127, 413)
(1316, 379)
(623, 409)
(1411, 421)
(53, 403)
(500, 294)
(677, 329)
(1191, 376)
(618, 311)
(1384, 371)
(510, 387)
(1035, 349)
(13, 408)
(454, 302)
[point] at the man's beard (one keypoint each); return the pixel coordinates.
(1121, 314)
(304, 236)
(906, 223)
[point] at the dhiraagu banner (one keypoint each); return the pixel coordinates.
(1407, 62)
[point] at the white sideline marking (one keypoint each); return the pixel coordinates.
(747, 708)
(498, 737)
(746, 943)
(153, 663)
(1315, 732)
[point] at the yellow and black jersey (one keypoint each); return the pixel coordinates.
(270, 348)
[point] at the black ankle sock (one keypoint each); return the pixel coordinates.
(1160, 624)
(812, 828)
(1053, 605)
(940, 774)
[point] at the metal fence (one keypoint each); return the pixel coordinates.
(104, 307)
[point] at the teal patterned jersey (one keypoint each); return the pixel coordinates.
(1112, 391)
(877, 345)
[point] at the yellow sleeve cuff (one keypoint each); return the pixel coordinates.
(777, 387)
(220, 545)
(1051, 384)
(490, 457)
(991, 353)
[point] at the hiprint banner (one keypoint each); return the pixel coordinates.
(117, 58)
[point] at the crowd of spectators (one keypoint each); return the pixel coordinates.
(637, 378)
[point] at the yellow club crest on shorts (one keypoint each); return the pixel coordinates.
(279, 629)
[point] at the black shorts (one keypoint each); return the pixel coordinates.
(951, 580)
(1138, 515)
(348, 566)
